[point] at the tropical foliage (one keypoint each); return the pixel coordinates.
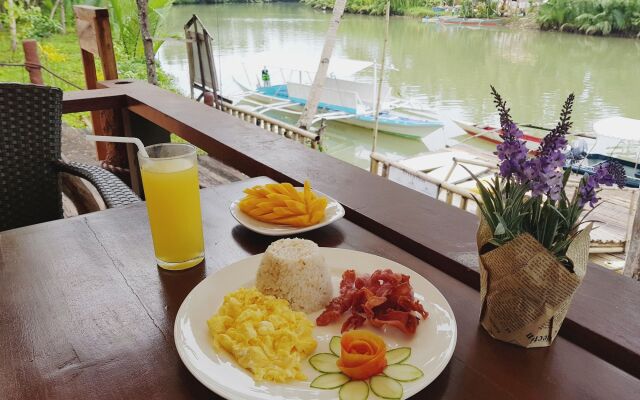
(377, 7)
(466, 9)
(32, 22)
(124, 17)
(413, 8)
(592, 17)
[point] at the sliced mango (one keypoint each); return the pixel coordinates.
(281, 203)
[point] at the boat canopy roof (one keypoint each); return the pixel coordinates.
(618, 128)
(337, 67)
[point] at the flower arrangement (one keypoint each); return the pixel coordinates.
(533, 240)
(548, 213)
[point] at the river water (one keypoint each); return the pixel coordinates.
(444, 67)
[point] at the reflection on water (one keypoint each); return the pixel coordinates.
(448, 68)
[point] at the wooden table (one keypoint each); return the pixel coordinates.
(85, 313)
(604, 316)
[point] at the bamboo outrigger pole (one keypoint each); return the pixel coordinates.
(321, 74)
(374, 164)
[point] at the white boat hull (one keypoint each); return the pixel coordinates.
(261, 103)
(393, 129)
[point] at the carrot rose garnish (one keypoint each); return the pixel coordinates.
(362, 354)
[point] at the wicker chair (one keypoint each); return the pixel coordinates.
(30, 159)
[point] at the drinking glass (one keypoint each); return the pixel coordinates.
(170, 181)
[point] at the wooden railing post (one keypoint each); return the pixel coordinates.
(632, 262)
(94, 37)
(32, 61)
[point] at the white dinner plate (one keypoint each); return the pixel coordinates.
(432, 345)
(332, 213)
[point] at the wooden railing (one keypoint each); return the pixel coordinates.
(466, 200)
(445, 191)
(271, 124)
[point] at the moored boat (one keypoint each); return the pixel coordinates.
(341, 100)
(492, 134)
(451, 20)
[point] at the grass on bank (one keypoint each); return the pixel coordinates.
(61, 54)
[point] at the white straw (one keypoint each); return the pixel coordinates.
(119, 139)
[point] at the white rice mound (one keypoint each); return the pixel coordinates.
(294, 269)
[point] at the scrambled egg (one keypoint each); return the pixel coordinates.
(263, 334)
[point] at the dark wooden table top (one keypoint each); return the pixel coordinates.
(85, 313)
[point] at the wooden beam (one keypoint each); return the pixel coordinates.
(94, 100)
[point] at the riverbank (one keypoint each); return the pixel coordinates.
(409, 8)
(588, 17)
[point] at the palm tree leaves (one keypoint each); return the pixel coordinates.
(592, 17)
(127, 27)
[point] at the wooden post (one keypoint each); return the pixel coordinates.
(147, 41)
(32, 61)
(632, 262)
(94, 36)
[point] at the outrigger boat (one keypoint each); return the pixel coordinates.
(490, 133)
(344, 101)
(451, 20)
(612, 140)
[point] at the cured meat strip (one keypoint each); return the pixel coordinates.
(382, 298)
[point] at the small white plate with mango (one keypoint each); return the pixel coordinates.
(280, 209)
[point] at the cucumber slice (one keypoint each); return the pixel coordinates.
(396, 356)
(354, 390)
(385, 387)
(334, 345)
(325, 362)
(403, 372)
(329, 381)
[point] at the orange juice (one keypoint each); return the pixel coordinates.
(173, 203)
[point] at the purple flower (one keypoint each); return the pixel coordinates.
(608, 173)
(510, 131)
(544, 177)
(544, 172)
(587, 191)
(512, 154)
(611, 173)
(554, 142)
